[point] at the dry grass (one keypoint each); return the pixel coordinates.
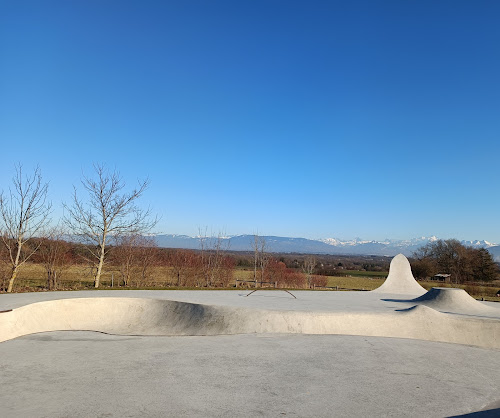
(31, 278)
(355, 283)
(79, 277)
(245, 274)
(76, 277)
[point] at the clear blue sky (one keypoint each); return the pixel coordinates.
(376, 119)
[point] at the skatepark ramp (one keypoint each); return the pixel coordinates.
(453, 300)
(400, 279)
(139, 316)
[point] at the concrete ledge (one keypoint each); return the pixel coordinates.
(139, 316)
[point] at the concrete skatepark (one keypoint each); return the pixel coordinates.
(223, 353)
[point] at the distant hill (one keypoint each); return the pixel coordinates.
(177, 241)
(495, 252)
(325, 246)
(244, 243)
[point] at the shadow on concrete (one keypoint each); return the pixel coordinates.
(398, 300)
(490, 413)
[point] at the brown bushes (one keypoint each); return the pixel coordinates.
(278, 273)
(319, 281)
(207, 269)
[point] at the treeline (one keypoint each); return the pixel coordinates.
(326, 264)
(463, 263)
(103, 216)
(136, 262)
(100, 211)
(109, 232)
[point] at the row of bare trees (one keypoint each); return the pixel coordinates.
(134, 256)
(196, 269)
(100, 213)
(214, 263)
(54, 255)
(267, 269)
(104, 219)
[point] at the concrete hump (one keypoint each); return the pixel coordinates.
(453, 300)
(400, 279)
(142, 316)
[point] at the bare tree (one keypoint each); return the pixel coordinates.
(255, 248)
(187, 267)
(260, 257)
(204, 247)
(308, 268)
(107, 214)
(263, 259)
(124, 255)
(134, 256)
(24, 214)
(5, 269)
(181, 261)
(148, 256)
(54, 255)
(213, 258)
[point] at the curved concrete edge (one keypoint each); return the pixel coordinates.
(449, 298)
(134, 316)
(400, 279)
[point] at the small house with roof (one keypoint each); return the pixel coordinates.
(443, 278)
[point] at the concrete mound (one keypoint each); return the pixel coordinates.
(447, 299)
(135, 316)
(400, 279)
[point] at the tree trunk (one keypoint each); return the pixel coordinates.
(15, 266)
(11, 280)
(255, 270)
(99, 269)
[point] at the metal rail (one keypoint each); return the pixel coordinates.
(284, 290)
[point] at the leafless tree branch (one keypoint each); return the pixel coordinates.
(108, 213)
(24, 214)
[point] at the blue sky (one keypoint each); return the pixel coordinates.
(372, 119)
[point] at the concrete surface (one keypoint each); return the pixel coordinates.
(453, 300)
(231, 312)
(87, 374)
(400, 279)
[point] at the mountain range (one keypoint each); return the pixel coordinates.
(357, 246)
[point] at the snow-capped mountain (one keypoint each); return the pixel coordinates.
(401, 243)
(479, 244)
(398, 243)
(357, 246)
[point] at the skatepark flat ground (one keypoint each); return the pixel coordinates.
(82, 373)
(87, 374)
(307, 301)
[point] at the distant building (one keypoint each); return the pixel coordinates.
(443, 278)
